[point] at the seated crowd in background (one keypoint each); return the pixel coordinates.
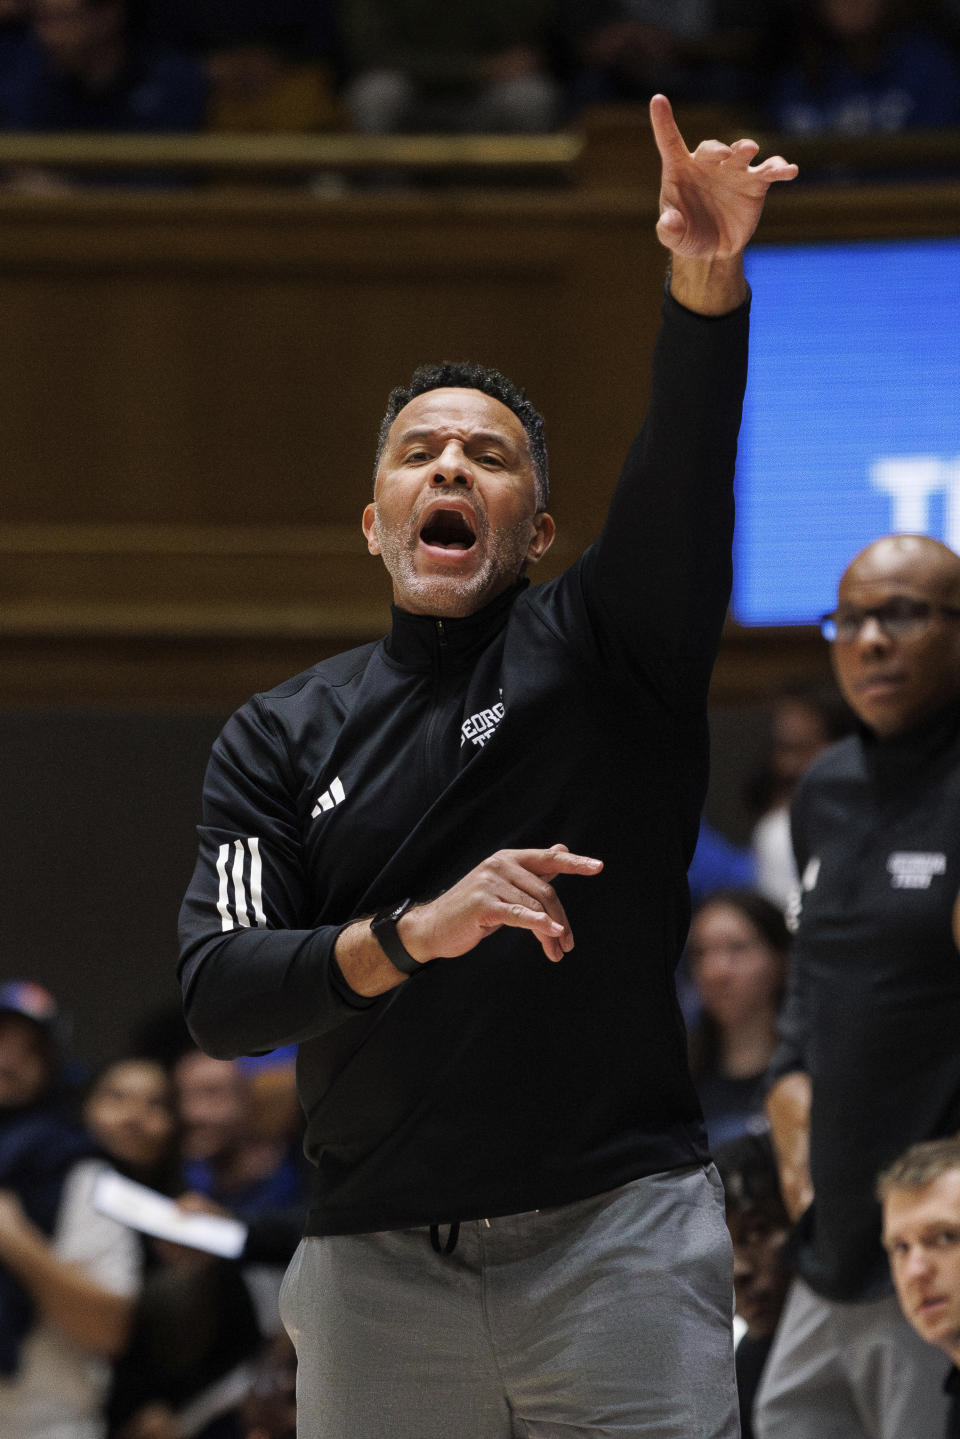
(105, 1331)
(69, 1276)
(386, 66)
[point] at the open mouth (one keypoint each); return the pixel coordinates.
(448, 530)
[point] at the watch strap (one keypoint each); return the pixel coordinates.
(384, 928)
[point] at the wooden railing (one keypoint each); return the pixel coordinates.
(267, 155)
(609, 144)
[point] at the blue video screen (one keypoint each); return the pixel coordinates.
(852, 418)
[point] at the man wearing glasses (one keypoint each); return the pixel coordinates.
(869, 1060)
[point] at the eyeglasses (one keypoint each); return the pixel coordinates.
(898, 619)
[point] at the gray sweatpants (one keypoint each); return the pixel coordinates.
(849, 1371)
(611, 1316)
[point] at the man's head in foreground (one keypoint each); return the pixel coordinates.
(460, 491)
(896, 632)
(920, 1198)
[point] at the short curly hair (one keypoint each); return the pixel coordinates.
(468, 376)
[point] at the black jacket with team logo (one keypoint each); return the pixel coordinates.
(573, 711)
(873, 1009)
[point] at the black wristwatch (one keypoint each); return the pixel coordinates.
(384, 926)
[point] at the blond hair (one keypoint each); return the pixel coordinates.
(920, 1165)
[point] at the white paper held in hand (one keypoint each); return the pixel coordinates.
(141, 1208)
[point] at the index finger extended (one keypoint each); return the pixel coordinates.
(557, 860)
(666, 133)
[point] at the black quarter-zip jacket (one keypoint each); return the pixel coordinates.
(873, 1006)
(573, 711)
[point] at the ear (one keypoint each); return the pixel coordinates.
(544, 530)
(369, 524)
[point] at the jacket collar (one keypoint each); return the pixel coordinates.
(920, 745)
(445, 646)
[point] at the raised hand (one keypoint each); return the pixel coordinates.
(710, 199)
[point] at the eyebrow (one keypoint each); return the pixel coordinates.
(429, 432)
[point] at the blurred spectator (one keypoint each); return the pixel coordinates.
(129, 1110)
(479, 65)
(82, 67)
(702, 50)
(241, 1156)
(271, 63)
(194, 1328)
(759, 1227)
(275, 1113)
(717, 863)
(862, 66)
(737, 956)
(804, 720)
(226, 1154)
(191, 1359)
(68, 1275)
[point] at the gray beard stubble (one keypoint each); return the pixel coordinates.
(454, 596)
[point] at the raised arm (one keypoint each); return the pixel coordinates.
(657, 582)
(710, 204)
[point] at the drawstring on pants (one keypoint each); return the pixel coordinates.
(453, 1234)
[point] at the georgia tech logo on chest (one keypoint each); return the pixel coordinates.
(481, 726)
(908, 870)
